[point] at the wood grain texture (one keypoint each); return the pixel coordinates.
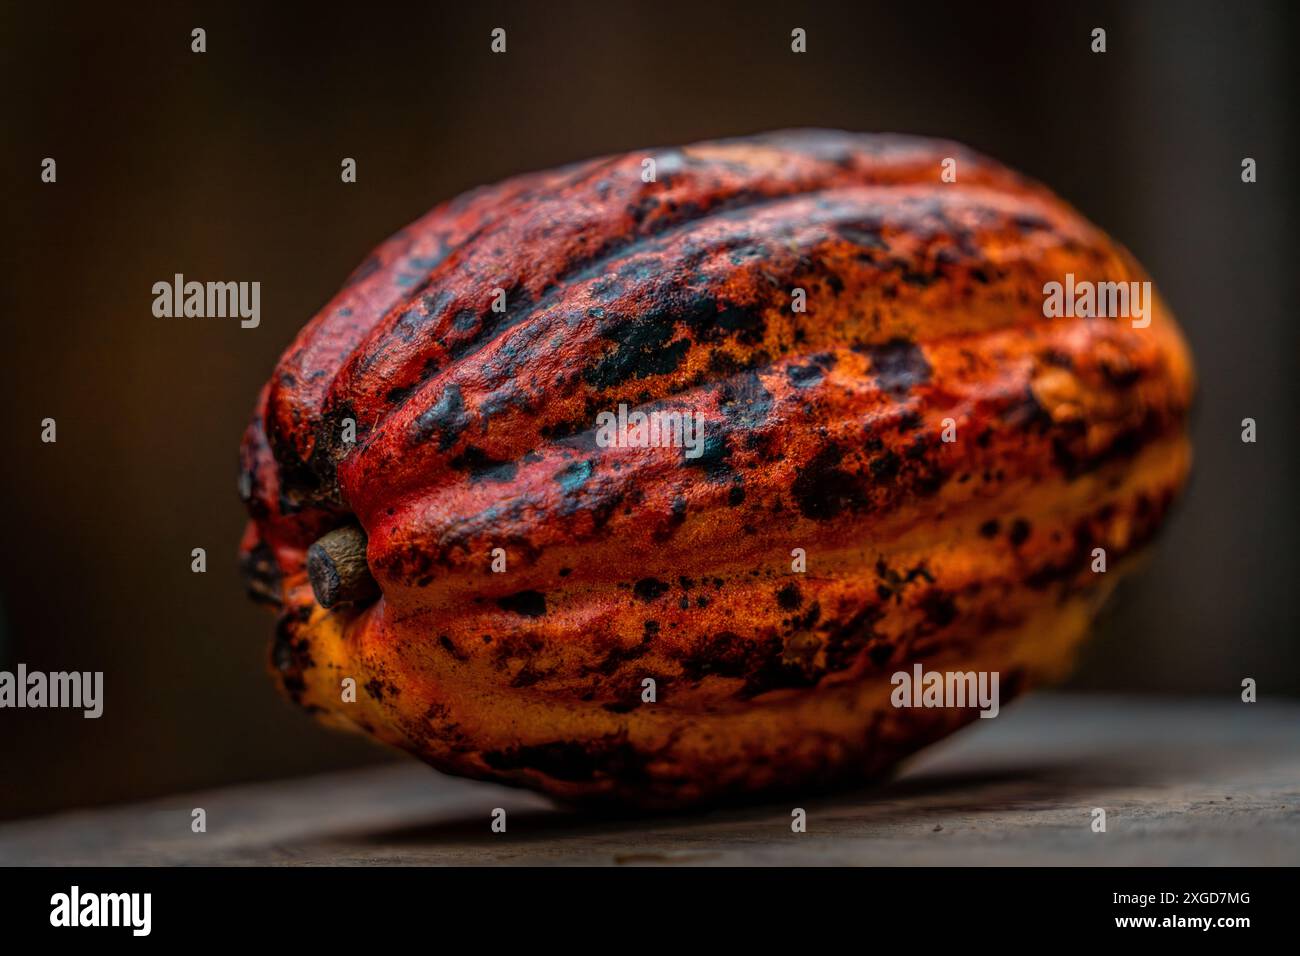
(1183, 783)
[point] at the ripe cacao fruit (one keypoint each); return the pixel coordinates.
(903, 462)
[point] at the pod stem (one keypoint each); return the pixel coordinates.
(336, 565)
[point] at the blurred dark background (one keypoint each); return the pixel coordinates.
(225, 166)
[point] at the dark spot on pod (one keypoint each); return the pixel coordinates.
(1058, 359)
(784, 664)
(282, 648)
(261, 574)
(574, 760)
(409, 324)
(503, 399)
(880, 654)
(575, 475)
(822, 489)
(674, 520)
(645, 348)
(643, 208)
(741, 254)
(722, 364)
(527, 676)
(1073, 563)
(526, 603)
(1119, 371)
(514, 353)
(918, 449)
(747, 323)
(1027, 414)
(606, 289)
(620, 655)
(482, 467)
(865, 233)
(450, 647)
(602, 504)
(713, 458)
(625, 706)
(745, 402)
(291, 655)
(1026, 222)
(1124, 445)
(847, 640)
(908, 272)
(446, 417)
(328, 449)
(898, 366)
(810, 375)
(938, 607)
(1019, 532)
(519, 305)
(804, 376)
(990, 528)
(396, 396)
(885, 467)
(810, 617)
(648, 589)
(789, 597)
(723, 654)
(303, 483)
(575, 434)
(435, 303)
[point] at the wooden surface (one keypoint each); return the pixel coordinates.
(1182, 782)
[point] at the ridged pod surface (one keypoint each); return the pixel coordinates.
(476, 429)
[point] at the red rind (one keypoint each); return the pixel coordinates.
(476, 432)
